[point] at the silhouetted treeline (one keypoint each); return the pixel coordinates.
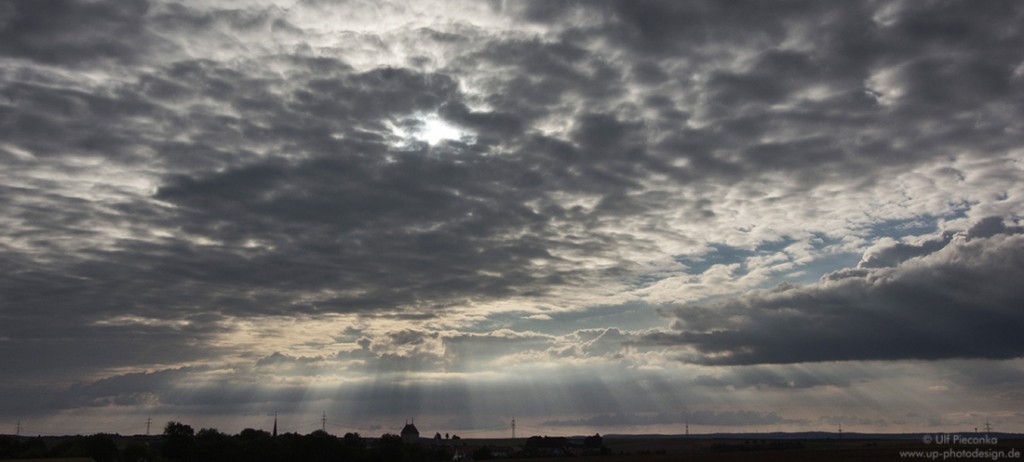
(181, 443)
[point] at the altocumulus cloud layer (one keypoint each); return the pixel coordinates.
(613, 215)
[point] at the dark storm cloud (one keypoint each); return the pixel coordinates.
(122, 389)
(327, 214)
(843, 130)
(529, 79)
(490, 123)
(46, 347)
(959, 301)
(849, 50)
(417, 229)
(68, 32)
(774, 76)
(324, 199)
(53, 120)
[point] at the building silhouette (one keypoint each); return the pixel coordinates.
(410, 434)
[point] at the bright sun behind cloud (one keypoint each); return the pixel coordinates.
(430, 129)
(435, 130)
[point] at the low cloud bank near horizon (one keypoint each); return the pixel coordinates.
(953, 297)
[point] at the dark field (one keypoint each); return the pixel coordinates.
(723, 450)
(615, 449)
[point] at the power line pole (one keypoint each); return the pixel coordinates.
(323, 422)
(988, 427)
(513, 427)
(149, 420)
(18, 431)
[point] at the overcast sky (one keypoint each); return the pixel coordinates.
(590, 216)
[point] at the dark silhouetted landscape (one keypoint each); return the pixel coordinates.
(180, 442)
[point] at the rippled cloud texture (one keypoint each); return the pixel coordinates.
(616, 216)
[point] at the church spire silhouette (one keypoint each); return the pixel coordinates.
(275, 424)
